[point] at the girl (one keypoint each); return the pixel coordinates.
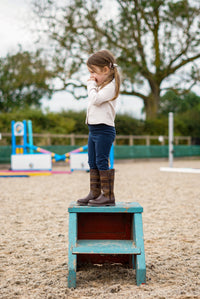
(103, 89)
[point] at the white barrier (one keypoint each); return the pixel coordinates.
(79, 161)
(184, 170)
(31, 162)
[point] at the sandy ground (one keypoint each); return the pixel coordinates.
(34, 235)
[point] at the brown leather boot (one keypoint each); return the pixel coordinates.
(107, 197)
(95, 188)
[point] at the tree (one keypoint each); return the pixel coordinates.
(179, 104)
(23, 81)
(156, 43)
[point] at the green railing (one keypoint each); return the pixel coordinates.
(121, 151)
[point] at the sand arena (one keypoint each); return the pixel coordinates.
(34, 235)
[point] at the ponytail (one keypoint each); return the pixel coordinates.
(117, 83)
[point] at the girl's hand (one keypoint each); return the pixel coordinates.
(92, 78)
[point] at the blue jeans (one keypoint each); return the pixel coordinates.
(100, 141)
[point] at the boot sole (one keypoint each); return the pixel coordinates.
(101, 205)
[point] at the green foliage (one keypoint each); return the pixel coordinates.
(158, 126)
(79, 120)
(65, 122)
(126, 125)
(188, 123)
(23, 81)
(171, 102)
(54, 123)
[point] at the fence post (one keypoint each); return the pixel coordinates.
(72, 139)
(189, 140)
(147, 140)
(171, 138)
(130, 140)
(48, 139)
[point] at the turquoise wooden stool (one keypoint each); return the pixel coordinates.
(106, 235)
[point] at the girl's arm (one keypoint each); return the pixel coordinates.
(97, 97)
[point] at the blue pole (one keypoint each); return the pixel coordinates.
(13, 138)
(30, 136)
(112, 157)
(25, 137)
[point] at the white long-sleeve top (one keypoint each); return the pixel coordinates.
(100, 109)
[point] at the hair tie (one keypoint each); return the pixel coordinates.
(113, 65)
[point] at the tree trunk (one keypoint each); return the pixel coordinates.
(151, 108)
(152, 104)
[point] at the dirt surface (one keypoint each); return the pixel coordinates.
(34, 235)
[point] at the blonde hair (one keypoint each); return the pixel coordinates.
(105, 58)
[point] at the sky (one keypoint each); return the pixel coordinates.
(15, 29)
(13, 25)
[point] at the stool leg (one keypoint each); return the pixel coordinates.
(139, 242)
(133, 261)
(72, 258)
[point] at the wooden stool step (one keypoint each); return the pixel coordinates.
(106, 247)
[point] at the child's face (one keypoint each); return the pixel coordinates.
(99, 75)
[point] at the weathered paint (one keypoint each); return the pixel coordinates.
(106, 247)
(120, 207)
(139, 242)
(72, 258)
